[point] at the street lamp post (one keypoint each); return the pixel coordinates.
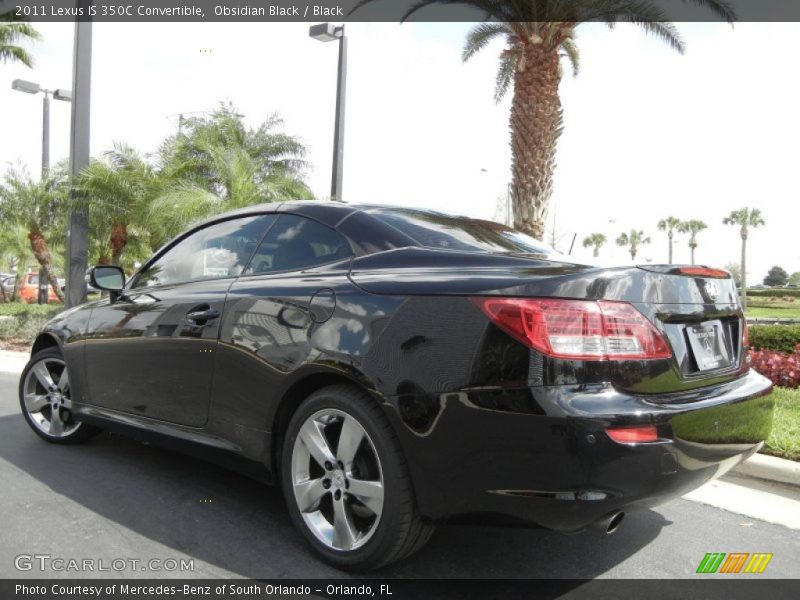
(78, 233)
(327, 32)
(34, 88)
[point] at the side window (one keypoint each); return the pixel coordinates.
(296, 243)
(215, 252)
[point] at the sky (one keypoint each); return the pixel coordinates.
(649, 133)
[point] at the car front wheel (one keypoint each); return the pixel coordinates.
(46, 401)
(346, 481)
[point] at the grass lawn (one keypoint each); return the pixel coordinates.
(774, 312)
(784, 441)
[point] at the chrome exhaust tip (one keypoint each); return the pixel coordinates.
(610, 523)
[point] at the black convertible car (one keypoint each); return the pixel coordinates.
(393, 368)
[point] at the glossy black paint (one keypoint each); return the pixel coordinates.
(489, 426)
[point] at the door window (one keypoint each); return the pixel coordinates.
(296, 243)
(218, 251)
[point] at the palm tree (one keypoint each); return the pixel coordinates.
(670, 224)
(634, 239)
(216, 163)
(16, 251)
(538, 33)
(596, 240)
(692, 227)
(12, 32)
(118, 190)
(745, 219)
(40, 207)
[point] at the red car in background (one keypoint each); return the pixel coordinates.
(28, 289)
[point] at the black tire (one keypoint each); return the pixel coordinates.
(400, 530)
(82, 433)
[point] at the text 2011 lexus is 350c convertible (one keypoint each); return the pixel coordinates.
(393, 368)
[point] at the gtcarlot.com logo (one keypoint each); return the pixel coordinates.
(61, 564)
(734, 562)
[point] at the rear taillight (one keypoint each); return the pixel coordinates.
(745, 335)
(633, 435)
(578, 329)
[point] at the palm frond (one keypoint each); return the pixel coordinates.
(479, 36)
(505, 74)
(16, 53)
(573, 54)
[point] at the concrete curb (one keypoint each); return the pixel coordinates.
(770, 468)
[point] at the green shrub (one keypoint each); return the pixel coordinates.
(13, 309)
(774, 293)
(25, 320)
(782, 338)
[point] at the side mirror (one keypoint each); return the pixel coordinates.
(107, 277)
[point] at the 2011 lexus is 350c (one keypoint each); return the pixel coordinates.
(393, 368)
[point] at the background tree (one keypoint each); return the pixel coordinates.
(216, 163)
(692, 227)
(538, 33)
(776, 277)
(39, 206)
(794, 278)
(118, 190)
(594, 239)
(12, 32)
(633, 240)
(735, 272)
(670, 224)
(745, 219)
(15, 251)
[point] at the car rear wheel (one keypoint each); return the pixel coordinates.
(46, 402)
(346, 482)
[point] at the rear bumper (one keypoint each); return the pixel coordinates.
(542, 455)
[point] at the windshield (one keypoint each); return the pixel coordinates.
(449, 232)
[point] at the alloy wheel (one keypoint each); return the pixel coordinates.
(337, 480)
(46, 398)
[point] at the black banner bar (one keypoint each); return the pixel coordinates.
(340, 10)
(711, 588)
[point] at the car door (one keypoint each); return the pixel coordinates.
(273, 312)
(152, 352)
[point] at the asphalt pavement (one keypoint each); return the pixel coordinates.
(116, 498)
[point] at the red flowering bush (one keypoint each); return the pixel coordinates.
(781, 368)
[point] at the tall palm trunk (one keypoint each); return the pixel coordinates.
(42, 253)
(596, 251)
(536, 123)
(633, 253)
(118, 241)
(743, 291)
(691, 249)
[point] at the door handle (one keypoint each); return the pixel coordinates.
(200, 317)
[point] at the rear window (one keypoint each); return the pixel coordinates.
(448, 232)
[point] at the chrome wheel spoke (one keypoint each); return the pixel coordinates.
(63, 381)
(42, 374)
(58, 421)
(34, 403)
(342, 512)
(349, 440)
(314, 440)
(56, 424)
(308, 494)
(344, 533)
(369, 493)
